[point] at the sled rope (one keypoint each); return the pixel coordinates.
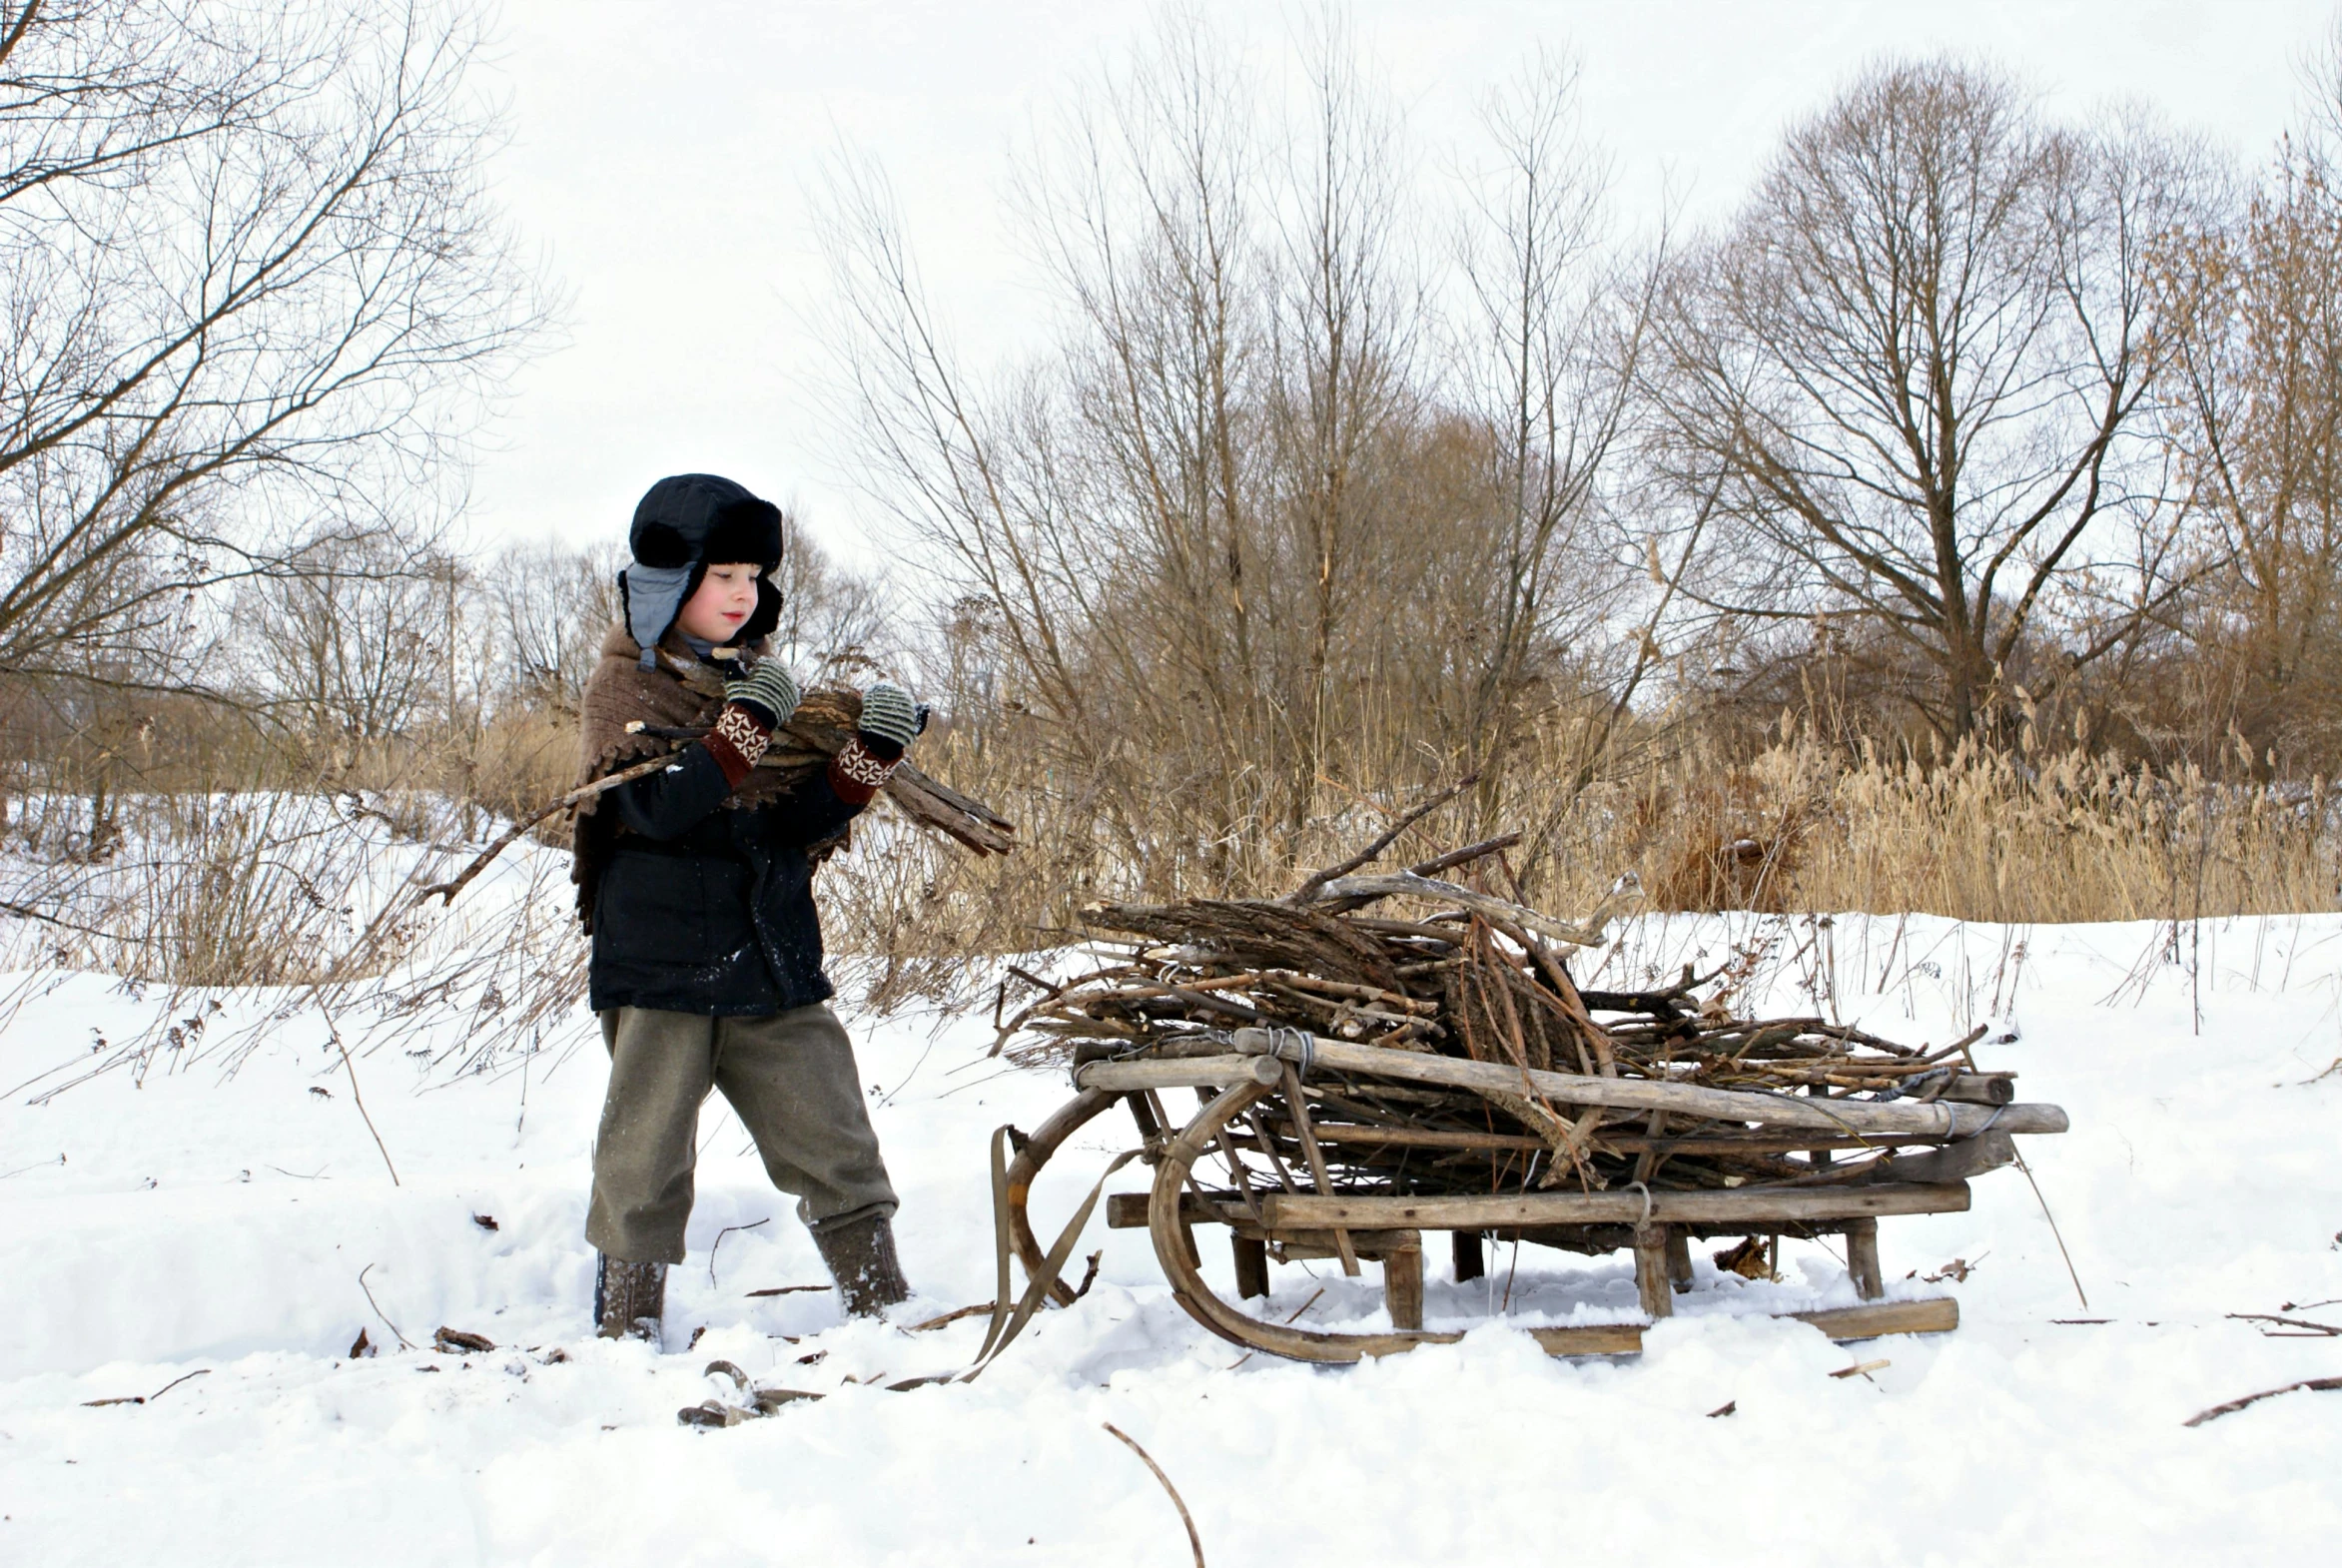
(1005, 1323)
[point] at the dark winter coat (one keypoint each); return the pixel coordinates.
(698, 898)
(707, 911)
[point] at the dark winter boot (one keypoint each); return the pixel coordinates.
(861, 1257)
(629, 1298)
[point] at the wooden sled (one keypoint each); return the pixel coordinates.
(1259, 1085)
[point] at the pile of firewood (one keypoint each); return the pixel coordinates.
(1414, 961)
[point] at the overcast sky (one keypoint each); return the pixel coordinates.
(660, 150)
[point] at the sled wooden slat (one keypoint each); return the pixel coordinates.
(1763, 1205)
(1936, 1315)
(1591, 1340)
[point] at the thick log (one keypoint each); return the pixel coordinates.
(1299, 1245)
(1718, 1206)
(1176, 1050)
(1716, 1105)
(1952, 1162)
(1187, 1073)
(1939, 1315)
(1424, 1137)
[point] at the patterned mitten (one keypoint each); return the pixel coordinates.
(768, 686)
(890, 722)
(753, 708)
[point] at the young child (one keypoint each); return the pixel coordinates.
(696, 887)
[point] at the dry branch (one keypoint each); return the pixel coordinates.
(825, 720)
(1309, 890)
(1194, 1541)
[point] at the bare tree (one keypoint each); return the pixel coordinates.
(1346, 329)
(250, 290)
(1551, 352)
(1915, 370)
(833, 621)
(2253, 297)
(1242, 540)
(546, 608)
(359, 637)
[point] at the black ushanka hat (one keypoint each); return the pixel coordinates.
(681, 525)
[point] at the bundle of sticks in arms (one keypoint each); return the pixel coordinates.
(818, 730)
(1485, 979)
(816, 733)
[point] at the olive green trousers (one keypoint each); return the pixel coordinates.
(791, 1079)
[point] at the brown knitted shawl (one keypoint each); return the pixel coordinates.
(680, 693)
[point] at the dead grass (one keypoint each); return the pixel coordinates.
(1987, 836)
(1799, 827)
(227, 887)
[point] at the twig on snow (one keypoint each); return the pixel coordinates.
(2055, 1234)
(202, 1371)
(1194, 1541)
(378, 1307)
(94, 1405)
(2290, 1322)
(349, 1066)
(719, 1241)
(2313, 1384)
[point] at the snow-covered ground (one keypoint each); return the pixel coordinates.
(194, 1222)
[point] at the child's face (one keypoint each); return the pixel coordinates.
(725, 601)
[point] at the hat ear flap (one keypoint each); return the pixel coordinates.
(767, 614)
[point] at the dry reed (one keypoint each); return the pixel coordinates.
(1799, 827)
(268, 887)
